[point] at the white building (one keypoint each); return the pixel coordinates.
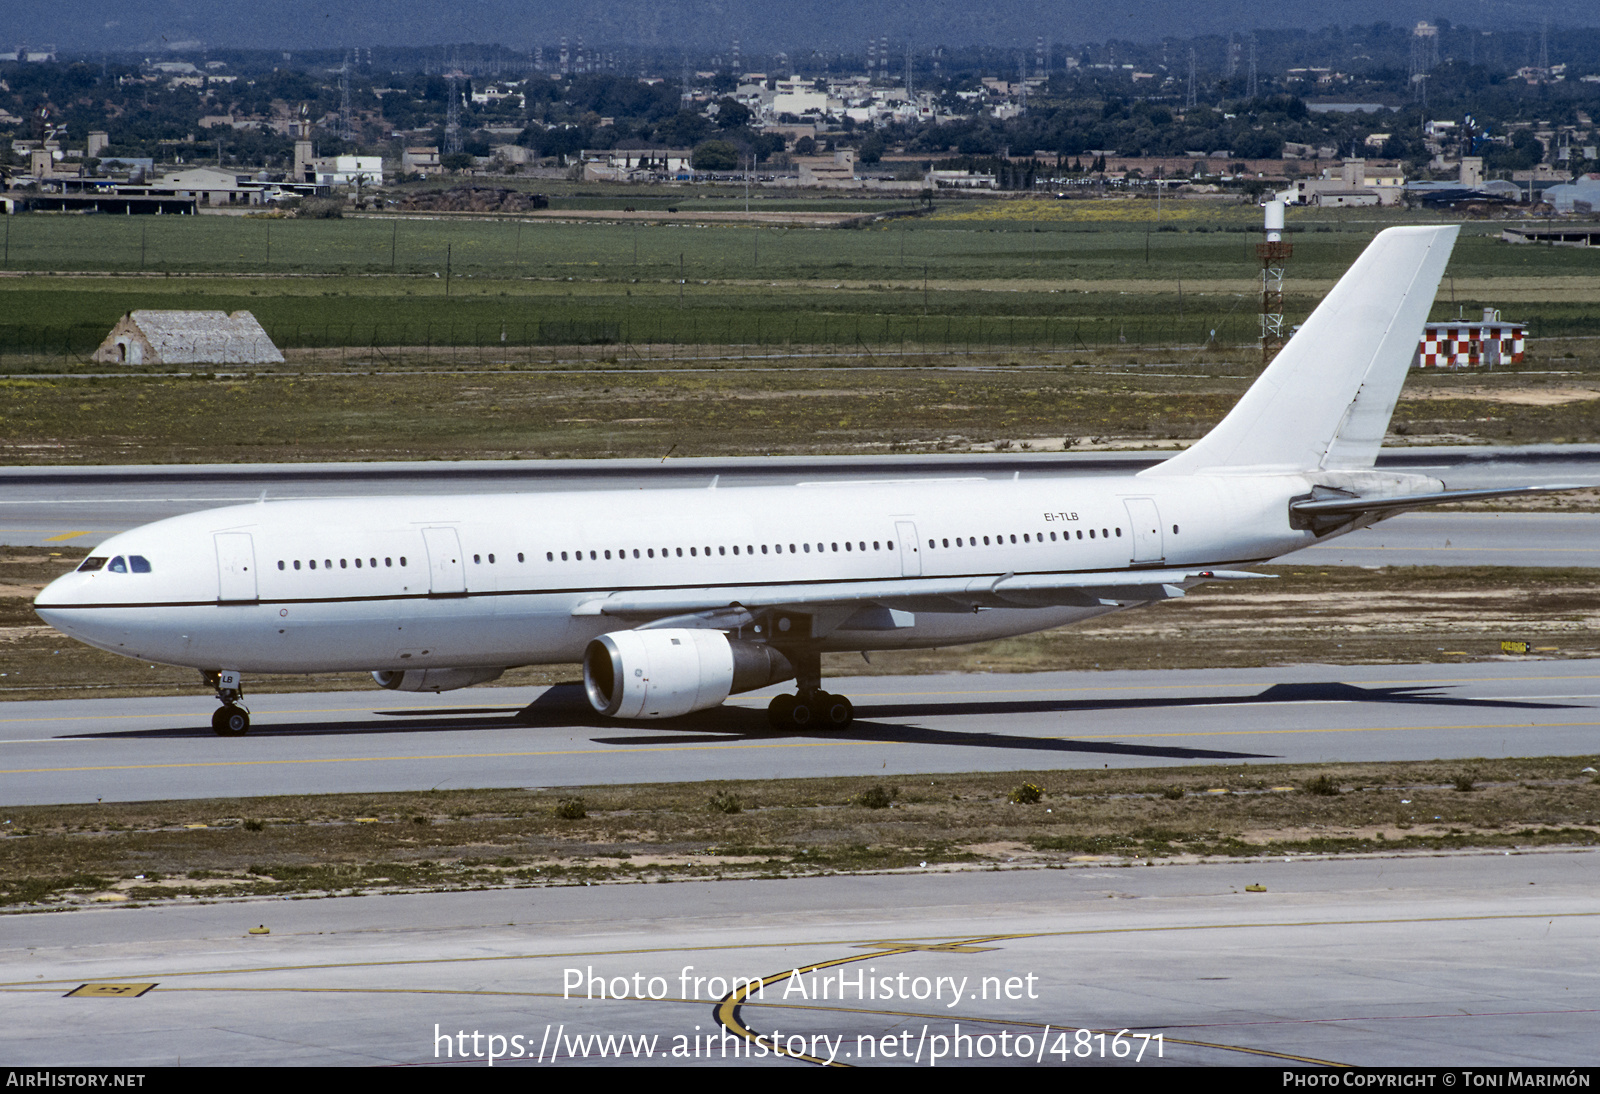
(1350, 186)
(188, 338)
(346, 171)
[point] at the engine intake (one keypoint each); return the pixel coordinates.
(665, 673)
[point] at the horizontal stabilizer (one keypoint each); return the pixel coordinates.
(1328, 509)
(1417, 501)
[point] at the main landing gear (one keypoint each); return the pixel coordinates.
(231, 719)
(811, 708)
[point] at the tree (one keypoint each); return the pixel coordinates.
(715, 156)
(685, 128)
(871, 150)
(731, 114)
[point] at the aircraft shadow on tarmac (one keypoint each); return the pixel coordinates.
(564, 706)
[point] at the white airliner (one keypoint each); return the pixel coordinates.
(675, 599)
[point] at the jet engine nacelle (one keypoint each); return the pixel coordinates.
(434, 679)
(668, 672)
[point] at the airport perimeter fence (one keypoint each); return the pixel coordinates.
(531, 342)
(666, 336)
(657, 331)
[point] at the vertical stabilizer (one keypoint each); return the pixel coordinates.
(1325, 401)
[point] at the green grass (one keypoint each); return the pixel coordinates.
(66, 319)
(914, 282)
(1215, 244)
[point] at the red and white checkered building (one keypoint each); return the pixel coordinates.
(1466, 343)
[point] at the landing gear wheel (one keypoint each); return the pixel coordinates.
(800, 714)
(230, 721)
(835, 711)
(780, 712)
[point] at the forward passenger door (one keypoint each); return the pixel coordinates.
(447, 575)
(236, 568)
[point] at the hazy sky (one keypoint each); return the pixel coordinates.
(761, 25)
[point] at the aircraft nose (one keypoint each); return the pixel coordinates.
(59, 593)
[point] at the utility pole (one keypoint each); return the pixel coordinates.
(347, 130)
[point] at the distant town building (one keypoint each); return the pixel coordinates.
(420, 158)
(963, 180)
(188, 338)
(345, 171)
(837, 171)
(1581, 195)
(1349, 186)
(1571, 235)
(212, 186)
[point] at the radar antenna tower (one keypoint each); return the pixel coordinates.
(1274, 254)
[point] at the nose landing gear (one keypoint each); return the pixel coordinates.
(231, 719)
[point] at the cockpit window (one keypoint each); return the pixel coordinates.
(92, 563)
(138, 564)
(118, 565)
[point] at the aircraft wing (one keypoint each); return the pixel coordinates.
(882, 600)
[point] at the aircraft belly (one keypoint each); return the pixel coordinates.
(950, 629)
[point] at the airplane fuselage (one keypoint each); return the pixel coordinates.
(500, 580)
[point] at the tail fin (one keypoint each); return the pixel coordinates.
(1325, 401)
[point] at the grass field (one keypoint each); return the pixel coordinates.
(984, 274)
(354, 403)
(326, 845)
(1004, 322)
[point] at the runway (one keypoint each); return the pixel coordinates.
(1466, 539)
(83, 505)
(1465, 961)
(326, 742)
